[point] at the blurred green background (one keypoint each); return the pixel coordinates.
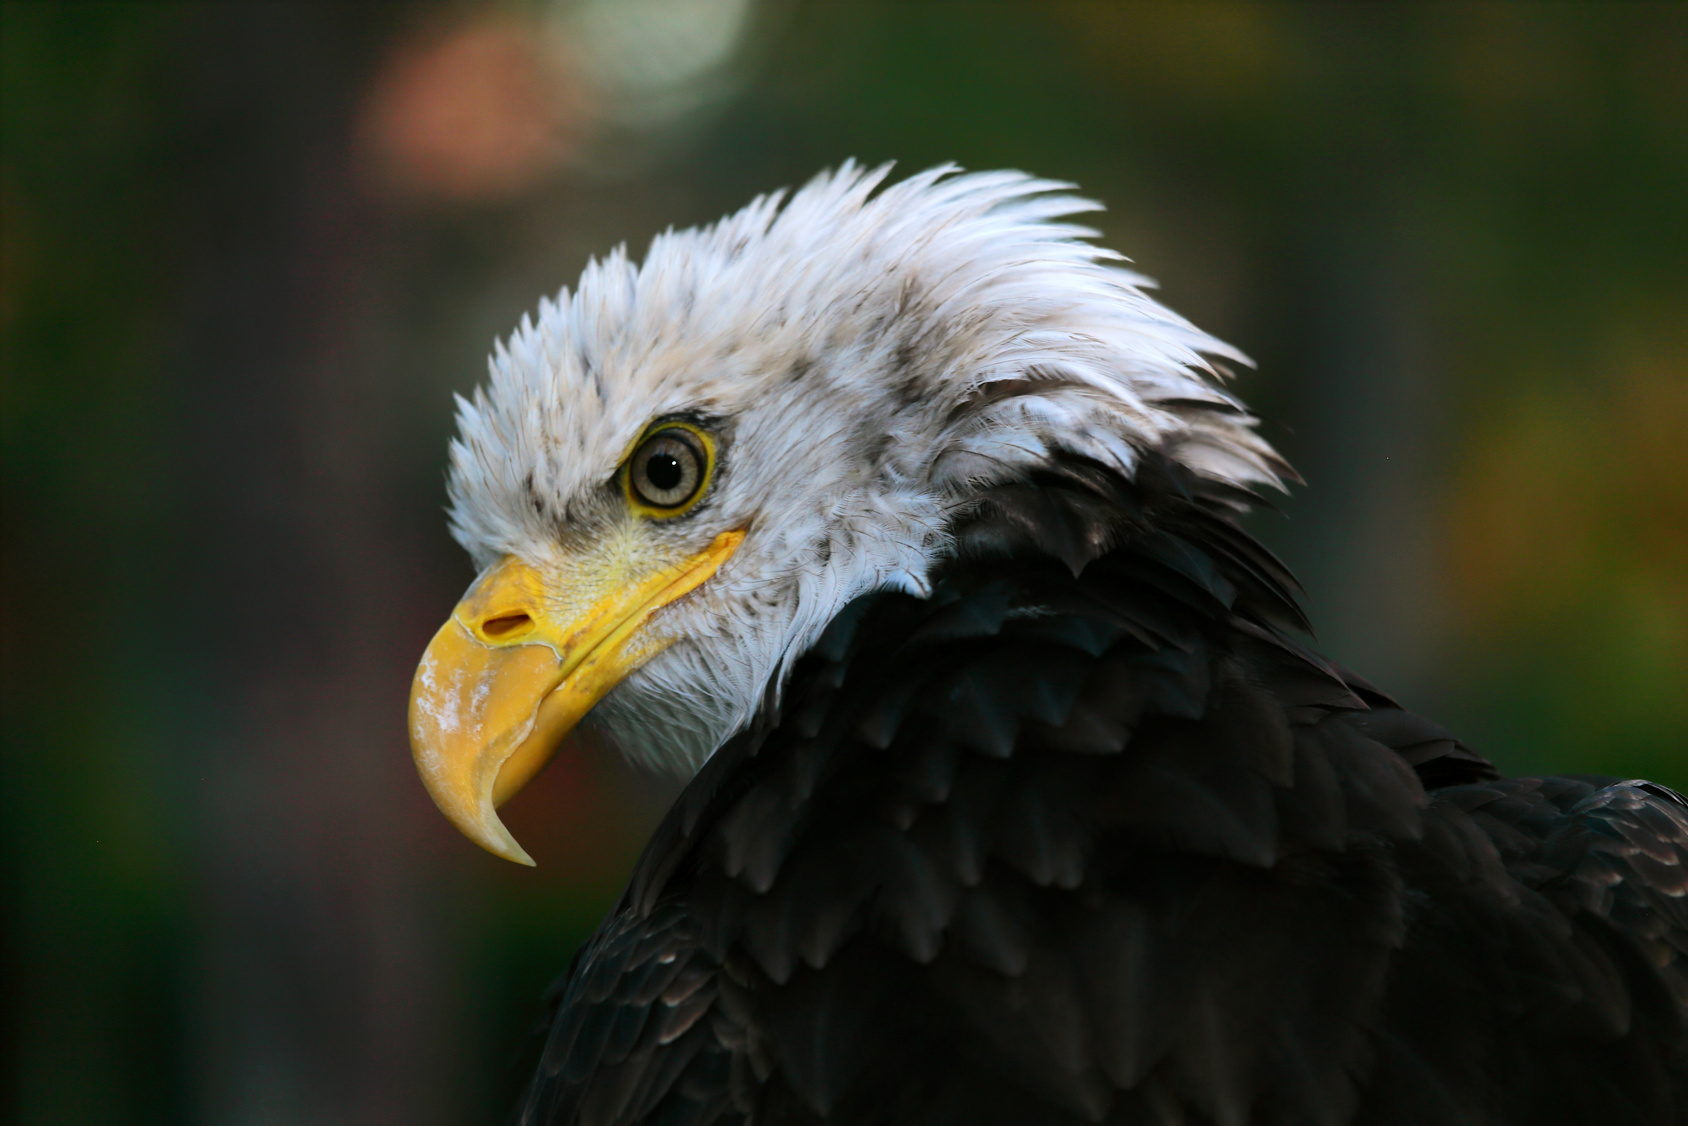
(250, 250)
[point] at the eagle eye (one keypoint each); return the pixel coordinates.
(669, 470)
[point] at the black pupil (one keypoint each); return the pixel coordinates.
(663, 471)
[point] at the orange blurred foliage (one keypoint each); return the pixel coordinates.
(482, 110)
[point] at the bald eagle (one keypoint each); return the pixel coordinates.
(904, 523)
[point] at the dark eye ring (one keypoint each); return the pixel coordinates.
(669, 469)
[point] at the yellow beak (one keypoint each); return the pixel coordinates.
(513, 670)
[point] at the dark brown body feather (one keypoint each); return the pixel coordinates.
(1089, 837)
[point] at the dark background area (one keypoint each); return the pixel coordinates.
(248, 252)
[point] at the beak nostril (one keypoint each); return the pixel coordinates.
(506, 626)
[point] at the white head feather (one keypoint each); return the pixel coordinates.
(869, 362)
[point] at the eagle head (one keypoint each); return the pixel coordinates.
(682, 470)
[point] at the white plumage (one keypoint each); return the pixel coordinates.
(868, 362)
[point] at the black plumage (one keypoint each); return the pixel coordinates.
(1089, 836)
